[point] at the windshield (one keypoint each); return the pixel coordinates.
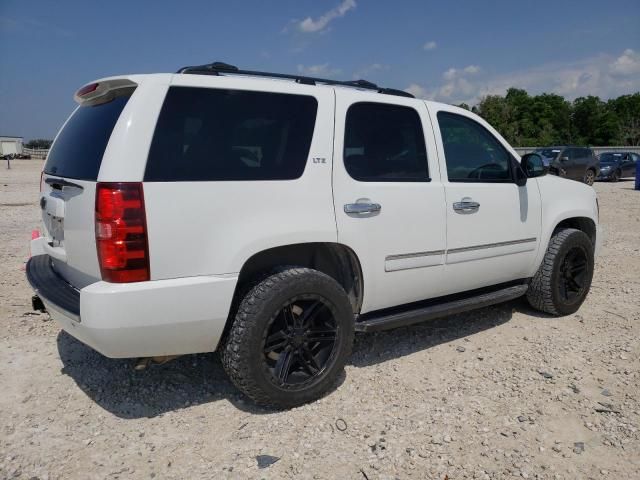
(548, 152)
(610, 157)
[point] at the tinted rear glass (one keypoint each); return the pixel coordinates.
(384, 143)
(78, 150)
(215, 134)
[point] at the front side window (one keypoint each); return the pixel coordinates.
(471, 152)
(214, 134)
(384, 143)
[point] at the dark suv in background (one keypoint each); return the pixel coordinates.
(617, 165)
(576, 163)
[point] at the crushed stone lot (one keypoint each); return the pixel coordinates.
(503, 392)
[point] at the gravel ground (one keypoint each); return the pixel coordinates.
(497, 393)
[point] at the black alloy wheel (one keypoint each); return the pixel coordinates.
(300, 342)
(573, 274)
(290, 339)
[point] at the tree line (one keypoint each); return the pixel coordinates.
(39, 144)
(535, 120)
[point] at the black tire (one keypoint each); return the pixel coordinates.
(551, 290)
(615, 176)
(590, 176)
(275, 304)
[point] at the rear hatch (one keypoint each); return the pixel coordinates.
(68, 187)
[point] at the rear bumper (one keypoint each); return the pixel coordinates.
(158, 317)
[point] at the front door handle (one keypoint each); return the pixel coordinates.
(362, 208)
(466, 205)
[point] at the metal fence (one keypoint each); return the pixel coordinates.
(596, 150)
(35, 152)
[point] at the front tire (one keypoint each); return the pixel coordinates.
(590, 177)
(563, 280)
(615, 176)
(290, 338)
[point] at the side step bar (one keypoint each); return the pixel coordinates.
(387, 321)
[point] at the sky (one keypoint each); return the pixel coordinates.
(450, 51)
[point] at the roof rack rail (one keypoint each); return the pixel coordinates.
(217, 68)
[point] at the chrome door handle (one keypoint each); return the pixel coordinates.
(466, 206)
(362, 208)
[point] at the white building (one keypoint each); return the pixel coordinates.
(10, 145)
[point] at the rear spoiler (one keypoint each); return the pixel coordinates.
(103, 91)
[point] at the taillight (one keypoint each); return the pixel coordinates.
(41, 177)
(121, 232)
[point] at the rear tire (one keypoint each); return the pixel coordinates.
(563, 280)
(290, 338)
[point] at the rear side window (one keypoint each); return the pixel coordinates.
(384, 143)
(215, 134)
(78, 150)
(471, 152)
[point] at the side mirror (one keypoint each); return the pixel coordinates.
(534, 165)
(564, 159)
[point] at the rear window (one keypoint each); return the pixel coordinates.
(78, 150)
(215, 134)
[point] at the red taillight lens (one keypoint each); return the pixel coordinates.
(121, 232)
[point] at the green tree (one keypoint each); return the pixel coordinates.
(39, 143)
(547, 119)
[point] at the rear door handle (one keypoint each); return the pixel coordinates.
(466, 205)
(362, 208)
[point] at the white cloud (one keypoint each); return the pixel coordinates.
(606, 76)
(471, 69)
(626, 64)
(309, 25)
(450, 74)
(430, 45)
(320, 70)
(454, 72)
(418, 91)
(368, 70)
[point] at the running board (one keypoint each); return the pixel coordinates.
(387, 321)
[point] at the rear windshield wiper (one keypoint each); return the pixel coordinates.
(58, 183)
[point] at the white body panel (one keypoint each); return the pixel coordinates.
(401, 249)
(497, 243)
(215, 227)
(200, 234)
(563, 199)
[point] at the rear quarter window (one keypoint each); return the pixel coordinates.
(218, 134)
(79, 148)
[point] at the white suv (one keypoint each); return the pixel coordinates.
(271, 216)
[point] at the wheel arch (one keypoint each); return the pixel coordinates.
(333, 259)
(584, 224)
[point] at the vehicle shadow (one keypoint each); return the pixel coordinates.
(190, 380)
(115, 386)
(374, 348)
